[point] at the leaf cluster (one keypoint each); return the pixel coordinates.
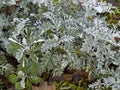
(38, 36)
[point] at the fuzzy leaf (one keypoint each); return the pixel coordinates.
(19, 54)
(13, 78)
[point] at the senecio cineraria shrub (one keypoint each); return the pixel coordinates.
(50, 35)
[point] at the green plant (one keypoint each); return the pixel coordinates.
(38, 36)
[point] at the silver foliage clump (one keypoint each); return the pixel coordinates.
(67, 34)
(98, 42)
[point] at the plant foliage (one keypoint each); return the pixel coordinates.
(38, 36)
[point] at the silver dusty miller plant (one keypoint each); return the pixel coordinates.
(50, 35)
